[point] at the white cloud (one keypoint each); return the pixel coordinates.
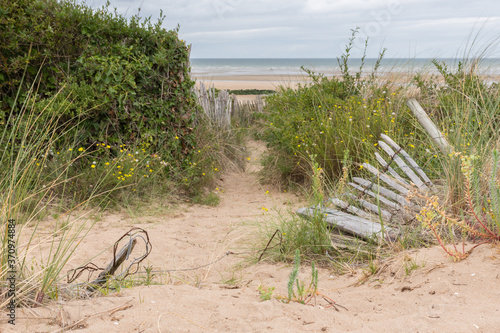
(319, 28)
(329, 6)
(238, 32)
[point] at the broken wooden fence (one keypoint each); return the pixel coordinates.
(383, 199)
(220, 107)
(217, 106)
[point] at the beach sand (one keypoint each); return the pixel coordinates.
(270, 82)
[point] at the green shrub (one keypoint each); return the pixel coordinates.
(334, 120)
(320, 120)
(129, 79)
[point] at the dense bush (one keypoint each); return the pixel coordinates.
(322, 122)
(336, 122)
(129, 79)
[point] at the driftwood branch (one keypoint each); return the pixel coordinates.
(377, 196)
(115, 263)
(408, 159)
(402, 165)
(386, 192)
(393, 173)
(386, 179)
(351, 209)
(371, 207)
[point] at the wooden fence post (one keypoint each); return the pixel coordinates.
(429, 126)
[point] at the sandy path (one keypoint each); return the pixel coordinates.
(441, 296)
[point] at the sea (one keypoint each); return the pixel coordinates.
(203, 67)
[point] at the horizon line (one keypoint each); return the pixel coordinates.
(367, 58)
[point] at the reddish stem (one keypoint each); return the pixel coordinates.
(471, 207)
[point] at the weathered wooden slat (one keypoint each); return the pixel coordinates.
(217, 109)
(364, 223)
(429, 126)
(393, 172)
(379, 197)
(404, 167)
(371, 207)
(351, 209)
(408, 158)
(386, 179)
(386, 192)
(351, 224)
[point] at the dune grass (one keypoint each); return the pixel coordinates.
(27, 190)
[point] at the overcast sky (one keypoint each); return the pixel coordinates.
(320, 28)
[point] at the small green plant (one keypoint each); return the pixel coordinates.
(209, 199)
(373, 267)
(317, 182)
(410, 264)
(310, 235)
(233, 280)
(297, 290)
(266, 293)
(293, 274)
(148, 279)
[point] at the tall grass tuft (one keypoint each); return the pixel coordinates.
(29, 189)
(467, 110)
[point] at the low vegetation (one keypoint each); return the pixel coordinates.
(251, 91)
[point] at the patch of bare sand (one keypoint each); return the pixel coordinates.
(438, 296)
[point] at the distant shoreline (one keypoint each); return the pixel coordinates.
(270, 82)
(273, 82)
(270, 73)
